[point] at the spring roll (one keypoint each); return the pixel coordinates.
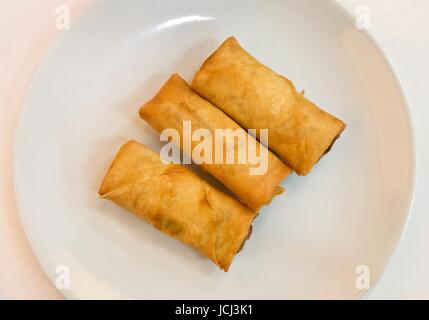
(176, 103)
(300, 133)
(177, 202)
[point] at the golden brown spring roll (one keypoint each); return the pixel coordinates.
(300, 133)
(176, 103)
(177, 202)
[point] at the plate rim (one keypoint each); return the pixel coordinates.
(412, 141)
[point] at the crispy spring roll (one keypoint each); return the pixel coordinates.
(177, 202)
(300, 133)
(176, 103)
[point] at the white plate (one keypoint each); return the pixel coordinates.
(350, 211)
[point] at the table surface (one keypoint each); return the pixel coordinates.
(27, 28)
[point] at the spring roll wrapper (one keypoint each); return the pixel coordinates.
(176, 102)
(300, 133)
(177, 202)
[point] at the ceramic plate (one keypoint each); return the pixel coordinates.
(341, 222)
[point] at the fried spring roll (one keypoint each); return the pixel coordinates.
(300, 133)
(176, 103)
(177, 202)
